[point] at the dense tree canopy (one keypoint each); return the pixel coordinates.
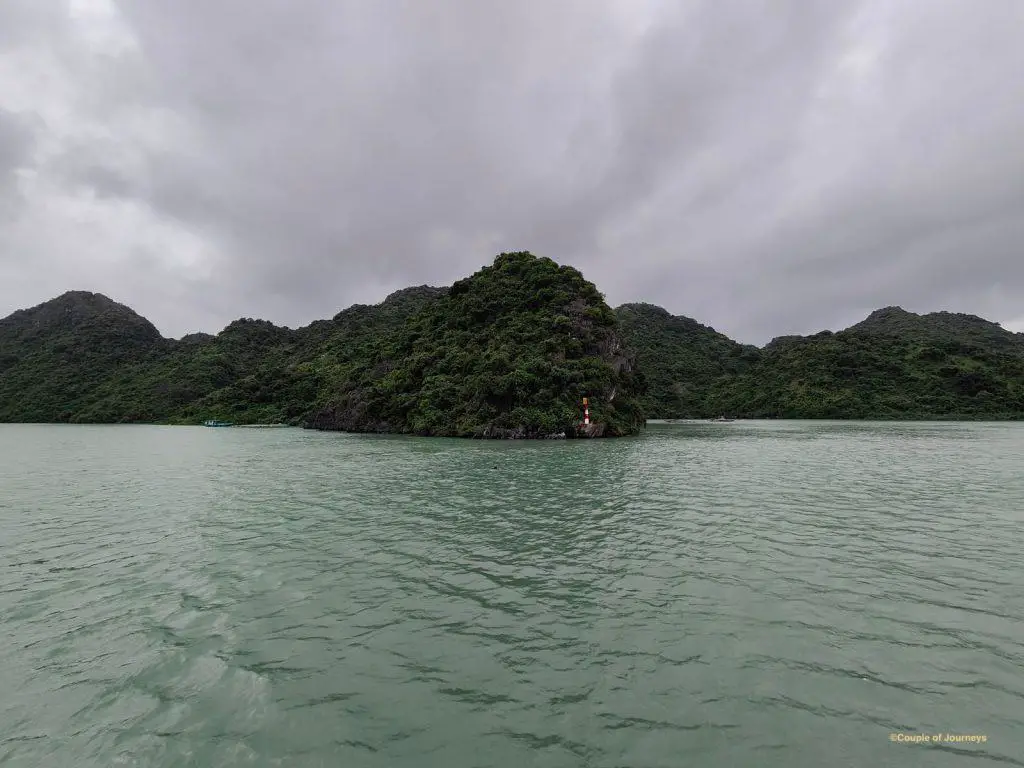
(680, 359)
(893, 365)
(508, 351)
(511, 350)
(881, 372)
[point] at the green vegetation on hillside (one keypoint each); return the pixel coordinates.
(83, 358)
(680, 360)
(509, 351)
(252, 372)
(54, 357)
(894, 365)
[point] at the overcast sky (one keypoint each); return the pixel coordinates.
(766, 167)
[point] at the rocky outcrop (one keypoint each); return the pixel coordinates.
(490, 432)
(507, 353)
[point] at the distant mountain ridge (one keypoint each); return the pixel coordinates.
(894, 364)
(898, 321)
(679, 358)
(83, 357)
(73, 310)
(54, 354)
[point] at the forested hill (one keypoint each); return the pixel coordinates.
(508, 351)
(970, 330)
(893, 365)
(680, 359)
(55, 355)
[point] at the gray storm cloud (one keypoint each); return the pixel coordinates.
(16, 140)
(768, 168)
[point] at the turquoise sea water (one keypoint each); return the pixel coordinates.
(747, 594)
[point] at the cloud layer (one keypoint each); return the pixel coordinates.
(766, 167)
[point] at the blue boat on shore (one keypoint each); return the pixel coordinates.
(215, 423)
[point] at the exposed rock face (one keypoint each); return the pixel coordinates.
(519, 433)
(611, 349)
(595, 429)
(576, 431)
(349, 416)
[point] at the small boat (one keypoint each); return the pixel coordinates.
(215, 423)
(722, 418)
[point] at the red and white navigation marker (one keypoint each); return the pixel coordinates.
(586, 412)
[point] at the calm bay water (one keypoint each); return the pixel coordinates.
(746, 594)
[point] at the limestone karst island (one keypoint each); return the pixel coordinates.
(508, 352)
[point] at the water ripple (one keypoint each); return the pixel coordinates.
(750, 594)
